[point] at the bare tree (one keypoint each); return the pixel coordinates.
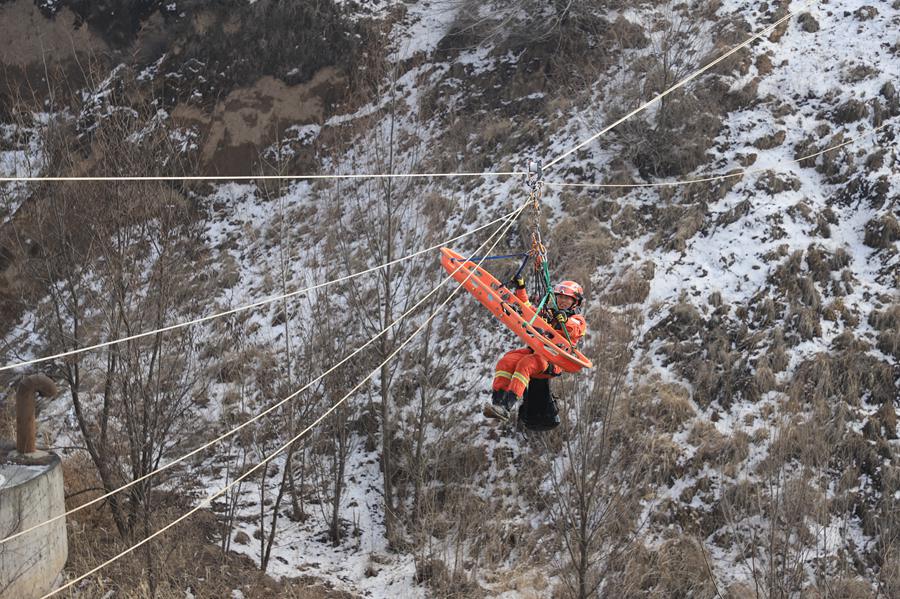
(672, 137)
(595, 489)
(384, 224)
(114, 261)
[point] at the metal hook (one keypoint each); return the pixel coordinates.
(535, 173)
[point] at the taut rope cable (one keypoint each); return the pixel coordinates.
(511, 216)
(248, 306)
(263, 177)
(720, 177)
(678, 85)
(210, 498)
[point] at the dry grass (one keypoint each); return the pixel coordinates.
(188, 556)
(887, 322)
(797, 439)
(715, 448)
(664, 468)
(677, 225)
(8, 417)
(764, 378)
(677, 569)
(632, 288)
(665, 406)
(883, 232)
(845, 588)
(582, 245)
(847, 376)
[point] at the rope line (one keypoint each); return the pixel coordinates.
(719, 177)
(262, 177)
(210, 498)
(246, 423)
(678, 85)
(248, 306)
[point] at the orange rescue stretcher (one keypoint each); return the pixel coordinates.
(515, 314)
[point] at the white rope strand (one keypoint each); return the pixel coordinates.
(248, 306)
(719, 177)
(261, 177)
(210, 498)
(509, 217)
(678, 85)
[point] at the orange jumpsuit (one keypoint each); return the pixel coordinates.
(517, 367)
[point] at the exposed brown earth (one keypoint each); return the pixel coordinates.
(26, 35)
(251, 118)
(33, 47)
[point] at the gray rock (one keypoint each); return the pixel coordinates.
(865, 13)
(850, 111)
(241, 538)
(808, 23)
(767, 142)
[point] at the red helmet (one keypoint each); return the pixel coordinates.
(571, 289)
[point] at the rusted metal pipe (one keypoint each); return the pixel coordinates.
(26, 431)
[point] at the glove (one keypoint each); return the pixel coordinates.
(560, 317)
(520, 282)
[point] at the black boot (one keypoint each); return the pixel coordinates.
(501, 404)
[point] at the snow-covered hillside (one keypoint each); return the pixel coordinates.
(738, 434)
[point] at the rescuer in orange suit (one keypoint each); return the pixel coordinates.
(517, 367)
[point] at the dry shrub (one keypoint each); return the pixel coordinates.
(715, 448)
(186, 557)
(882, 233)
(433, 572)
(886, 319)
(845, 588)
(882, 424)
(848, 376)
(797, 439)
(632, 288)
(583, 242)
(716, 357)
(805, 322)
(664, 468)
(636, 572)
(437, 208)
(8, 417)
(847, 341)
(887, 322)
(582, 245)
(787, 276)
(766, 312)
(740, 590)
(767, 142)
(819, 264)
(462, 461)
(628, 222)
(809, 295)
(764, 378)
(672, 408)
(839, 260)
(777, 356)
(684, 569)
(495, 132)
(889, 577)
(740, 500)
(854, 449)
(676, 225)
(773, 183)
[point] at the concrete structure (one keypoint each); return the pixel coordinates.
(31, 492)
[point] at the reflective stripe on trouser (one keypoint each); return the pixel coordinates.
(501, 380)
(525, 365)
